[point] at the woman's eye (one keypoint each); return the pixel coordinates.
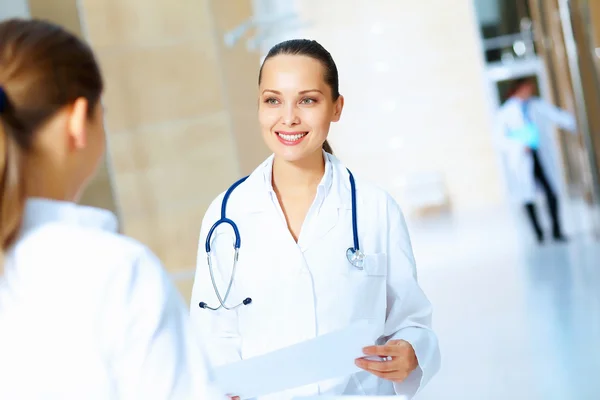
(271, 100)
(308, 101)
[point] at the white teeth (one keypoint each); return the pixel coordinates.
(292, 138)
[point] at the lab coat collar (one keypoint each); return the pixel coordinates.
(518, 102)
(322, 189)
(335, 184)
(335, 201)
(39, 212)
(340, 193)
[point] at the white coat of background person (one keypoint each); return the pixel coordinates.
(524, 130)
(294, 215)
(85, 313)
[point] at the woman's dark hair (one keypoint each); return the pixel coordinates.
(309, 48)
(43, 68)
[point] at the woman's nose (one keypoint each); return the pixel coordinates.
(290, 116)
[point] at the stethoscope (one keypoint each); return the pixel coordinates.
(354, 255)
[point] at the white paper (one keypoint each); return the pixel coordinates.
(351, 398)
(328, 356)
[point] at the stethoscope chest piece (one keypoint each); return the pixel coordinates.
(356, 258)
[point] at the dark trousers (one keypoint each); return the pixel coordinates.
(551, 199)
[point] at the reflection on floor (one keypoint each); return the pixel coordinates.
(515, 320)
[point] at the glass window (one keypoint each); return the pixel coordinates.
(505, 27)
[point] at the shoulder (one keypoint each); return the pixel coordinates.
(111, 272)
(88, 240)
(537, 100)
(541, 105)
(374, 196)
(374, 199)
(370, 191)
(384, 219)
(213, 210)
(87, 253)
(507, 107)
(367, 192)
(247, 195)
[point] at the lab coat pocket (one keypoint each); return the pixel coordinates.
(369, 292)
(376, 264)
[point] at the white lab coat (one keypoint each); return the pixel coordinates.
(522, 186)
(86, 313)
(306, 289)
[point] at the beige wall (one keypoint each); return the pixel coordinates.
(586, 35)
(65, 12)
(239, 69)
(175, 128)
(559, 80)
(412, 73)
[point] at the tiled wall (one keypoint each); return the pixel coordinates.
(412, 73)
(175, 130)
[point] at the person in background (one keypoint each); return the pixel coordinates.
(85, 313)
(524, 129)
(295, 216)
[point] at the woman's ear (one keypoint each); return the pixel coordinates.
(337, 110)
(77, 123)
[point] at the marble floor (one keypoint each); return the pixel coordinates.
(515, 320)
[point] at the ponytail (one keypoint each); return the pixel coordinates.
(12, 190)
(327, 147)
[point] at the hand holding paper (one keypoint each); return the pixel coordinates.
(398, 362)
(325, 357)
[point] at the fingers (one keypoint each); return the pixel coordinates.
(393, 371)
(381, 351)
(403, 360)
(387, 350)
(394, 376)
(379, 366)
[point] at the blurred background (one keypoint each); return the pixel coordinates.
(423, 81)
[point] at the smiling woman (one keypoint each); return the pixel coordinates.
(327, 86)
(295, 217)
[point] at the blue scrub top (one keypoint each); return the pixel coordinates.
(529, 133)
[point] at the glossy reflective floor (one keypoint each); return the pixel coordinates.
(515, 320)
